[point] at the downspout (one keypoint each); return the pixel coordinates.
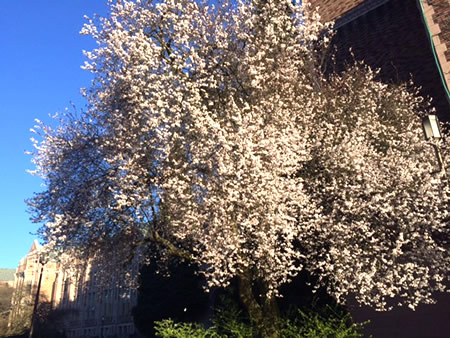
(36, 301)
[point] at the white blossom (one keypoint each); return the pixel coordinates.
(214, 128)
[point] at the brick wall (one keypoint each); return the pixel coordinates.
(437, 13)
(331, 9)
(441, 17)
(392, 37)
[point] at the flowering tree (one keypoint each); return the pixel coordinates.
(213, 133)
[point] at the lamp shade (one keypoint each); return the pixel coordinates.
(431, 127)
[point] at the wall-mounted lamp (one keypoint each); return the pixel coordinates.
(431, 128)
(432, 131)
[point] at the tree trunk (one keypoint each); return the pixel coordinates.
(264, 314)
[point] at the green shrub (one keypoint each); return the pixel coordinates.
(167, 328)
(230, 322)
(314, 324)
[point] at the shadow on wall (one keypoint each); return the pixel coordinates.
(49, 322)
(94, 303)
(427, 321)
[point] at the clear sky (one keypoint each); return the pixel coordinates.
(40, 74)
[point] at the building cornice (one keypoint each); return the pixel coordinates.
(358, 11)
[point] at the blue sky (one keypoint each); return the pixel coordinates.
(40, 74)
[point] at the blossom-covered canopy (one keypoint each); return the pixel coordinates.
(217, 132)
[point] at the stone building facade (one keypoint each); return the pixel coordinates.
(26, 281)
(91, 307)
(95, 307)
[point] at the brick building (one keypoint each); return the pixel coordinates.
(404, 38)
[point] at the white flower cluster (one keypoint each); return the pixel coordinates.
(213, 128)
